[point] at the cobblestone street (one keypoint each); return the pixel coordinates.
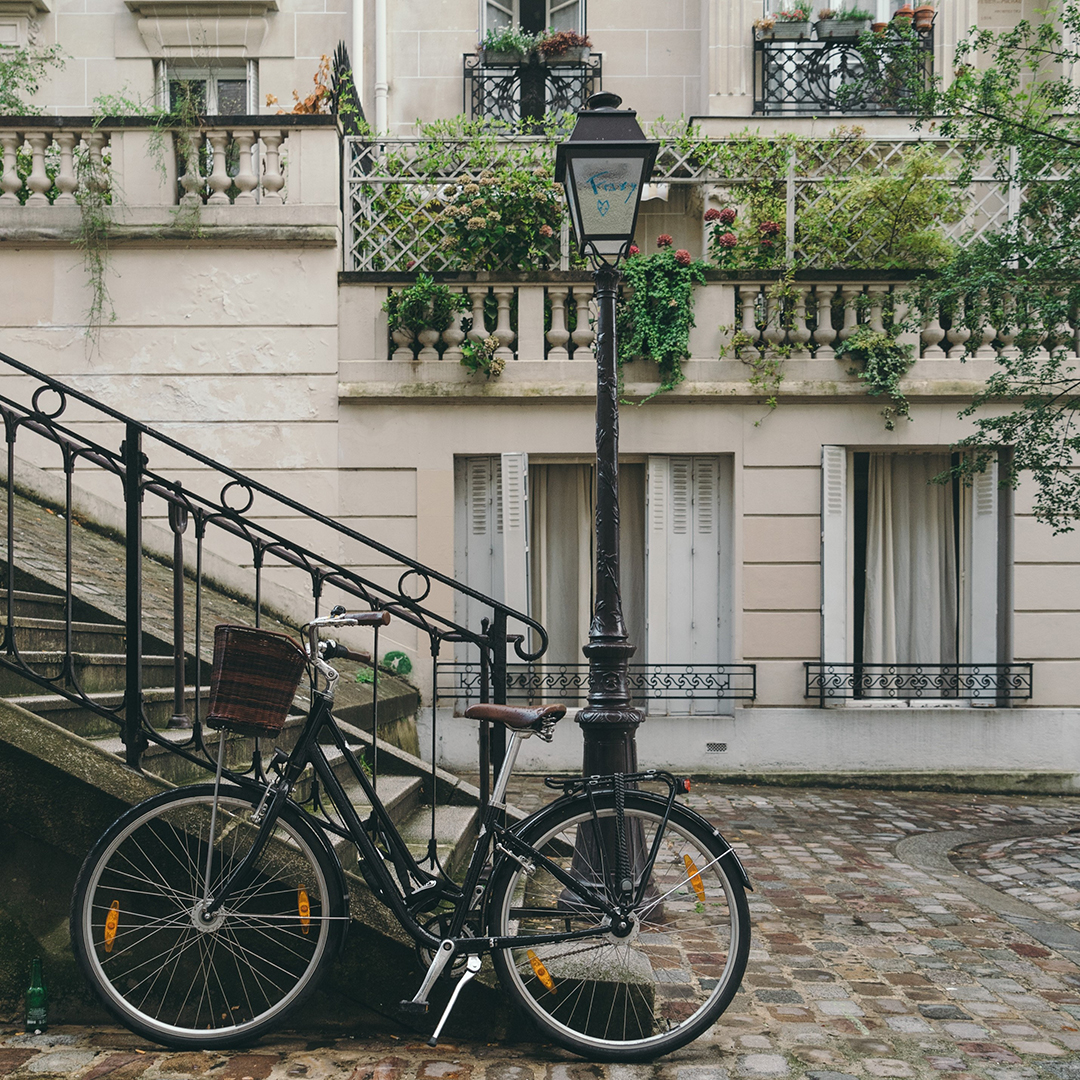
(874, 955)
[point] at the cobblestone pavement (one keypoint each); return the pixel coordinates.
(873, 956)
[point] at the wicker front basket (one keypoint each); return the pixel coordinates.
(256, 673)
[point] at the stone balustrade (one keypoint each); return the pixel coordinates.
(226, 161)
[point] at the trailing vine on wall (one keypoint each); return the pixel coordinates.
(881, 362)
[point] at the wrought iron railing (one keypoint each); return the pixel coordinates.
(570, 682)
(529, 90)
(829, 77)
(213, 499)
(983, 683)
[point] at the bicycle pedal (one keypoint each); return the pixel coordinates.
(413, 1008)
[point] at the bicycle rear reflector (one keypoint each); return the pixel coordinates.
(112, 921)
(304, 906)
(540, 971)
(695, 878)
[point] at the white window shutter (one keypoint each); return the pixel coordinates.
(478, 542)
(981, 579)
(657, 512)
(513, 471)
(835, 587)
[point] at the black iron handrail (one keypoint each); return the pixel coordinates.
(228, 511)
(990, 683)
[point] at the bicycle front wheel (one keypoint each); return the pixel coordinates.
(652, 988)
(167, 973)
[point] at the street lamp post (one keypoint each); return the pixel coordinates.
(604, 165)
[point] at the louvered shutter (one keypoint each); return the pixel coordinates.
(835, 647)
(981, 576)
(513, 472)
(478, 554)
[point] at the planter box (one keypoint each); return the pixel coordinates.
(787, 31)
(831, 29)
(501, 59)
(576, 54)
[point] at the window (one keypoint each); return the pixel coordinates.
(913, 572)
(524, 534)
(534, 16)
(218, 90)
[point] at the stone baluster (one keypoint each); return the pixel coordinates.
(799, 334)
(66, 180)
(850, 294)
(1007, 334)
(272, 179)
(190, 151)
(95, 142)
(987, 334)
(219, 179)
(958, 333)
(502, 332)
(583, 335)
(558, 335)
(932, 336)
(452, 337)
(748, 295)
(403, 339)
(876, 320)
(825, 332)
(245, 179)
(38, 182)
(478, 294)
(774, 331)
(10, 142)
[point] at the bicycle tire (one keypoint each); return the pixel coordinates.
(638, 997)
(177, 981)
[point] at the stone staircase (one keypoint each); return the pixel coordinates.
(405, 783)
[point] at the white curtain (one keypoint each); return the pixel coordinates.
(911, 584)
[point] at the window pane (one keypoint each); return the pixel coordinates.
(499, 15)
(232, 96)
(565, 15)
(187, 94)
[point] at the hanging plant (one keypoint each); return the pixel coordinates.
(882, 362)
(425, 305)
(656, 310)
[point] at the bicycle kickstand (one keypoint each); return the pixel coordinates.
(472, 966)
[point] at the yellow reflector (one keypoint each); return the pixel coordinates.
(304, 905)
(695, 878)
(540, 971)
(112, 921)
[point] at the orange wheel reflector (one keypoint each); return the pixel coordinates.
(695, 878)
(112, 921)
(304, 906)
(540, 971)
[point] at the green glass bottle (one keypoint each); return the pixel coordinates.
(37, 1001)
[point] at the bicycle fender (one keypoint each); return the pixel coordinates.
(552, 809)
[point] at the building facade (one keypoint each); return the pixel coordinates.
(802, 599)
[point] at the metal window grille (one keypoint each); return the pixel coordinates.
(986, 683)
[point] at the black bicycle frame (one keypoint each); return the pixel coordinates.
(372, 865)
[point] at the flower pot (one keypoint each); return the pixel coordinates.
(904, 11)
(924, 18)
(576, 54)
(831, 29)
(879, 27)
(490, 58)
(788, 31)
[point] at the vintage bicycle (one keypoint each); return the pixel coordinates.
(615, 917)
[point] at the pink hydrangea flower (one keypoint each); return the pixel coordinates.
(727, 216)
(682, 257)
(770, 228)
(728, 240)
(712, 214)
(664, 241)
(634, 250)
(546, 230)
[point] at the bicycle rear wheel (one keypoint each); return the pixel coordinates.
(654, 989)
(166, 973)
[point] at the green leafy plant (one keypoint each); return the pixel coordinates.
(799, 12)
(881, 362)
(424, 305)
(656, 310)
(22, 71)
(508, 39)
(855, 14)
(507, 218)
(556, 43)
(479, 356)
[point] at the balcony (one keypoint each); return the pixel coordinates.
(529, 90)
(977, 684)
(826, 78)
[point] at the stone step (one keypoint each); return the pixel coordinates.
(33, 605)
(158, 704)
(95, 672)
(41, 635)
(456, 829)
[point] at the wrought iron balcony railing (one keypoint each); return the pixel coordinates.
(529, 90)
(818, 78)
(569, 683)
(985, 684)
